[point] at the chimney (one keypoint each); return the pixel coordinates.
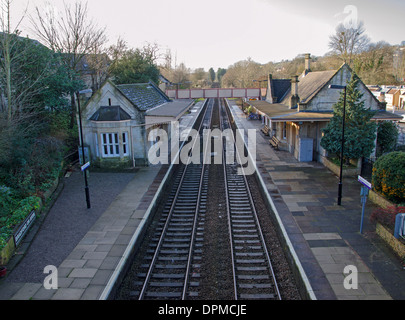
(294, 92)
(382, 100)
(381, 97)
(307, 63)
(269, 94)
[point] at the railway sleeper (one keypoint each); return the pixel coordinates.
(151, 294)
(176, 245)
(250, 261)
(261, 296)
(247, 247)
(249, 254)
(253, 277)
(247, 231)
(255, 285)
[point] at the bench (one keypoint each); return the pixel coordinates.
(274, 142)
(265, 130)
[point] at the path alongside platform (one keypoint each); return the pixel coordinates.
(326, 236)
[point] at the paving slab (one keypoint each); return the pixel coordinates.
(324, 235)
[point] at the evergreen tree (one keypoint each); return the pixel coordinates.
(360, 131)
(212, 74)
(134, 67)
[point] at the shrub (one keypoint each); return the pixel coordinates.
(387, 137)
(386, 216)
(18, 215)
(389, 176)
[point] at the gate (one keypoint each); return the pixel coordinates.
(367, 168)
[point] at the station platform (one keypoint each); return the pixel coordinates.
(84, 272)
(325, 236)
(88, 246)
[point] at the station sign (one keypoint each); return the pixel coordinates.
(85, 166)
(24, 227)
(364, 182)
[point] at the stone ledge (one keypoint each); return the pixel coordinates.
(379, 200)
(336, 169)
(394, 243)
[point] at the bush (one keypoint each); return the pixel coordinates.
(386, 216)
(389, 176)
(387, 137)
(18, 215)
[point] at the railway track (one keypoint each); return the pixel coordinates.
(170, 269)
(172, 260)
(253, 273)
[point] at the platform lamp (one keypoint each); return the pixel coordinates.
(86, 186)
(338, 87)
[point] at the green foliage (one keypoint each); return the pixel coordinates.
(19, 212)
(134, 67)
(220, 73)
(387, 137)
(360, 132)
(7, 202)
(386, 216)
(212, 74)
(389, 176)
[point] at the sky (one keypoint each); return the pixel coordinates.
(219, 33)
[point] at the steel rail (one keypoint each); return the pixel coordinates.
(189, 261)
(228, 210)
(259, 229)
(167, 222)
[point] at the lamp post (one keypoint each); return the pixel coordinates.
(86, 186)
(339, 202)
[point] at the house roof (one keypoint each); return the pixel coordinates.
(280, 87)
(392, 91)
(270, 109)
(171, 109)
(385, 115)
(310, 84)
(279, 112)
(144, 95)
(110, 113)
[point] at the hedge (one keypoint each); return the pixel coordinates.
(389, 176)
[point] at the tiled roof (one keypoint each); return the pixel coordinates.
(310, 85)
(279, 112)
(280, 88)
(392, 91)
(385, 115)
(171, 109)
(144, 95)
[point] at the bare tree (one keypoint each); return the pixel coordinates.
(7, 42)
(70, 33)
(242, 73)
(17, 85)
(348, 41)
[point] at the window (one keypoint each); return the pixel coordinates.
(111, 144)
(285, 130)
(125, 143)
